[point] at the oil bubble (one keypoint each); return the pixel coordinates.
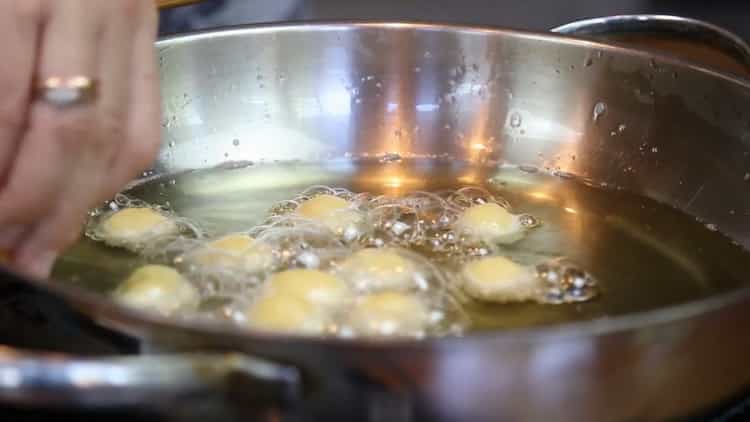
(599, 109)
(515, 120)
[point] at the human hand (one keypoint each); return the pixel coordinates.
(58, 162)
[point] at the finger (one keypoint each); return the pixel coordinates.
(144, 128)
(55, 138)
(10, 236)
(116, 92)
(37, 253)
(19, 29)
(90, 181)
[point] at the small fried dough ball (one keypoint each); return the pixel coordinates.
(490, 223)
(286, 314)
(317, 287)
(235, 252)
(498, 279)
(378, 269)
(389, 314)
(133, 228)
(157, 288)
(331, 212)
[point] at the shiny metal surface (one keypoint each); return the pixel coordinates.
(666, 129)
(47, 379)
(693, 39)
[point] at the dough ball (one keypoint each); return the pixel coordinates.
(157, 288)
(498, 279)
(389, 314)
(378, 269)
(331, 212)
(322, 206)
(314, 286)
(490, 223)
(283, 313)
(132, 228)
(234, 252)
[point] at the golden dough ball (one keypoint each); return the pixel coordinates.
(286, 314)
(236, 252)
(157, 288)
(491, 223)
(389, 314)
(322, 206)
(498, 279)
(378, 269)
(330, 211)
(317, 287)
(131, 228)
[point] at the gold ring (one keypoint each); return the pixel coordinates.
(65, 92)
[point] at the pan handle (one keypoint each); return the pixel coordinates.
(688, 38)
(114, 382)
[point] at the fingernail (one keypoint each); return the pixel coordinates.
(40, 265)
(10, 235)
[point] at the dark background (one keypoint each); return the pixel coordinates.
(521, 14)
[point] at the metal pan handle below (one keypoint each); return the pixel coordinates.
(691, 39)
(110, 382)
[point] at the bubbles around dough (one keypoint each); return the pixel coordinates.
(131, 228)
(287, 314)
(157, 288)
(389, 314)
(378, 269)
(234, 252)
(498, 279)
(330, 211)
(314, 286)
(491, 223)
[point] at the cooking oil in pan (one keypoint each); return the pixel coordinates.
(641, 254)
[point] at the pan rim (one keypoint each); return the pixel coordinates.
(167, 41)
(110, 314)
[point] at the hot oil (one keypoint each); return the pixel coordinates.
(644, 255)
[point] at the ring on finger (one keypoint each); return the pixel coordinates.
(66, 92)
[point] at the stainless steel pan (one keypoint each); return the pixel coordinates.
(653, 365)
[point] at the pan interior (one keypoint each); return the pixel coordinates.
(644, 254)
